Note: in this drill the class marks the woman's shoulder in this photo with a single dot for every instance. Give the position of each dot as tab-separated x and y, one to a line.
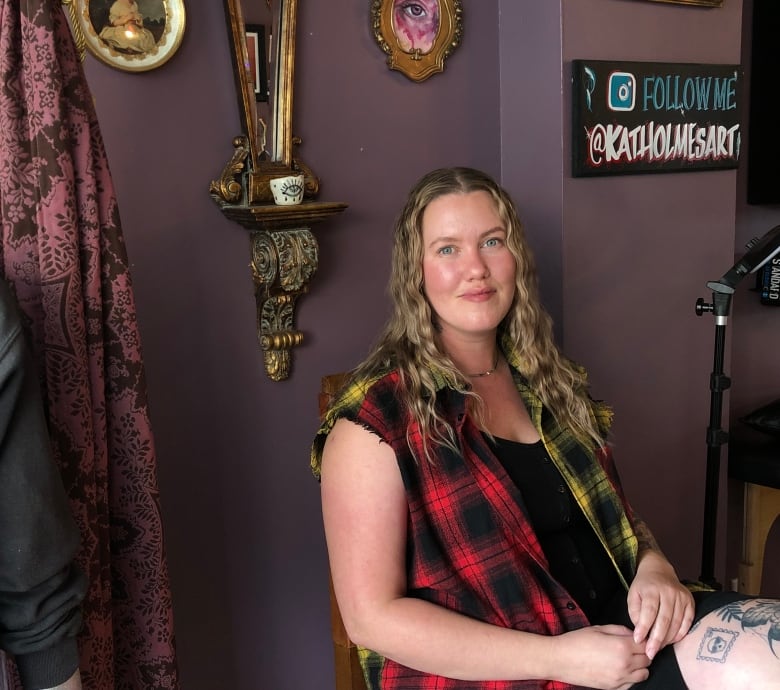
372	395
369	400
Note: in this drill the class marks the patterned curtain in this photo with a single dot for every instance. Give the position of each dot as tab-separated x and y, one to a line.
64	256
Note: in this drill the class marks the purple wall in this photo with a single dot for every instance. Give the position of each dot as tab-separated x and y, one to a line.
241	510
531	133
638	251
623	259
242	517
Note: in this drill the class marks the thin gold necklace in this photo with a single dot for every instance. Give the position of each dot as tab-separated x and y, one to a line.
485	373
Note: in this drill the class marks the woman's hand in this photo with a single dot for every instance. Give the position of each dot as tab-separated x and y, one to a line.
602	656
659	605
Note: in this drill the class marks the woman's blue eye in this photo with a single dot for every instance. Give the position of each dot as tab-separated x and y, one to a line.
446	250
492	242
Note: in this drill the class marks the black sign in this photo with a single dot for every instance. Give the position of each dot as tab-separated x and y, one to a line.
638	117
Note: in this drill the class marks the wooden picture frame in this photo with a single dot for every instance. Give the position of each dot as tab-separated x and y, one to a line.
417	35
700	3
130	35
256	68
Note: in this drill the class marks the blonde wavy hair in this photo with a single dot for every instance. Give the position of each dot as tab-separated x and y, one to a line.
409	341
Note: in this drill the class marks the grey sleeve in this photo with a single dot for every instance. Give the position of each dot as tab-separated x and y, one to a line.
41	589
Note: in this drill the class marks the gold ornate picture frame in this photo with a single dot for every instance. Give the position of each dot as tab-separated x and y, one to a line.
131	35
701	3
417	35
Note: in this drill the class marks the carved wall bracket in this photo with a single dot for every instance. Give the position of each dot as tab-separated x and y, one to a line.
284	253
282	264
284	258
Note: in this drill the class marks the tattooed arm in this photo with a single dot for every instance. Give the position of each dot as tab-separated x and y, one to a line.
659	605
644	537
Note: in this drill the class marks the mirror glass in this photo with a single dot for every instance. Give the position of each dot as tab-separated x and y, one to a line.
262	21
284	250
263	42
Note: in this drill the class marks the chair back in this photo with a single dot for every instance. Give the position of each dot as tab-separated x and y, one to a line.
349	673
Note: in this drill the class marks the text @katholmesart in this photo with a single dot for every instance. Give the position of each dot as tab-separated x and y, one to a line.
634	117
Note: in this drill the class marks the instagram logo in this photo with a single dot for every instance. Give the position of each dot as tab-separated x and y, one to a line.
621	93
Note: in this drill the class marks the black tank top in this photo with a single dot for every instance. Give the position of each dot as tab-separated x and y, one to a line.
575	555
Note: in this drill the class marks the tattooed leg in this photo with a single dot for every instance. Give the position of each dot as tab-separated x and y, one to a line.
735	646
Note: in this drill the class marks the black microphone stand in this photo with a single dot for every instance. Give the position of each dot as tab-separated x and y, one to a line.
759	252
716	436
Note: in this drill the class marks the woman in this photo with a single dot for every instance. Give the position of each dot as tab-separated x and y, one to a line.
477	531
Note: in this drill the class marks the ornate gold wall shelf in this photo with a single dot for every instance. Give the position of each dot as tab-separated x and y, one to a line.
283	249
271	217
284	257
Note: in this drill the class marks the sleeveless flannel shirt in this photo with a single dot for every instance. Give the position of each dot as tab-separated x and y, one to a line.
470	546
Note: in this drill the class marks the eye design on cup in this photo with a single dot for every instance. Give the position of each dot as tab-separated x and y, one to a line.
292	188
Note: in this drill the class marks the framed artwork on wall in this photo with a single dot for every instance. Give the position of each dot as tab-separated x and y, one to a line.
131	35
702	3
256	70
417	35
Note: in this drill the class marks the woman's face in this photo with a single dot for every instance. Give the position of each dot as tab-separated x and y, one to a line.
468	270
416	23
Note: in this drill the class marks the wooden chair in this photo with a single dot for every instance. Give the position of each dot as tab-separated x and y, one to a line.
349	674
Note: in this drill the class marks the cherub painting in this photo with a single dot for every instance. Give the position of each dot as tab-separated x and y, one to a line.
132	35
125	27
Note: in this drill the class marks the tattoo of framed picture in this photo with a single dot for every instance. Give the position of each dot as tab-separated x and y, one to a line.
256	67
131	35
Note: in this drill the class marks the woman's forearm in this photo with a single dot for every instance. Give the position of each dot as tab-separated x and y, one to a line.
434	640
430	638
647	541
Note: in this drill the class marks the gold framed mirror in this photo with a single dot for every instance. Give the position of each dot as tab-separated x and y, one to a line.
417	35
283	249
268	148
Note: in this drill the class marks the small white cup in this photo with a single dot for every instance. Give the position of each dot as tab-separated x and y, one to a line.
287	191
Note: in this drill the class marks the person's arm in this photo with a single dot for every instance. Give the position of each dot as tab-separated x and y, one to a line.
365	518
659	605
41	588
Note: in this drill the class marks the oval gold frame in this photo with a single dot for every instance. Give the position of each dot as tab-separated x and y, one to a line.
418	66
86	34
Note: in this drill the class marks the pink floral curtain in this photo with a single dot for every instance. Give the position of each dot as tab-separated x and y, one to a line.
63	254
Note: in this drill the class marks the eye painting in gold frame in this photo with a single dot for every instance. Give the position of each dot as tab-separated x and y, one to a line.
700	3
417	35
131	35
